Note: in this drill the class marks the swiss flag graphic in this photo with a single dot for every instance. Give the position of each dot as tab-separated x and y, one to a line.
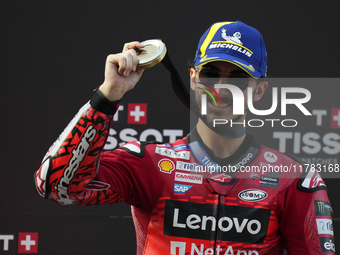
335	118
137	113
28	242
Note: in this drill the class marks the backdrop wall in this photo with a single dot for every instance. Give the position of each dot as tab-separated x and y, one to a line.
53	55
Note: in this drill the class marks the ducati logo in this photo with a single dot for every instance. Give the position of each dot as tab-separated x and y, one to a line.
253	176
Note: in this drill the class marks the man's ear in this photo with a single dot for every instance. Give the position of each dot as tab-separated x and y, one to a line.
193	79
260	89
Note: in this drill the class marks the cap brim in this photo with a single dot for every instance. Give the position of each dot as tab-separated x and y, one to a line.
248	68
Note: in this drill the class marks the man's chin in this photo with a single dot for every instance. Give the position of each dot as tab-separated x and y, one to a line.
218	120
225	128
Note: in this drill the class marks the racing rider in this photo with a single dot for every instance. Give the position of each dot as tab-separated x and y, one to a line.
178	206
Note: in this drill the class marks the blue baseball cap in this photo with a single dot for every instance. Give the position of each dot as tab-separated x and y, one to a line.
236	43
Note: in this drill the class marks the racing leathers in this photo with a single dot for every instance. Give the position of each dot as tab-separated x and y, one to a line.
185	200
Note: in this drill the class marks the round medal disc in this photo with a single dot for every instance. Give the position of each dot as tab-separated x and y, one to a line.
153	53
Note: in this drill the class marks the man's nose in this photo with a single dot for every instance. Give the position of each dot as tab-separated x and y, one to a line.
223	91
223	80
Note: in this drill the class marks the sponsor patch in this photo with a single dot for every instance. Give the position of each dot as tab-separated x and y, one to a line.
246	160
323	208
181	147
165	145
325	226
232	42
327	244
181	188
269	180
192	178
270	157
195	220
235	38
186	166
253	176
252	195
172	154
193	248
222	178
166	166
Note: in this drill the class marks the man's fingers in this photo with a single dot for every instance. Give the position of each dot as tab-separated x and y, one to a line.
125	62
121	65
132	45
130	62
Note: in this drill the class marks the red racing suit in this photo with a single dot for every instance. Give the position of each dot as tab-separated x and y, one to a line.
186	201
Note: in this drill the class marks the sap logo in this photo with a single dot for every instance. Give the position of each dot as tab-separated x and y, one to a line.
270	157
252	195
181	188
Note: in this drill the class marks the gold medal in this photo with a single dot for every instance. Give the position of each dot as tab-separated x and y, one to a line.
153	53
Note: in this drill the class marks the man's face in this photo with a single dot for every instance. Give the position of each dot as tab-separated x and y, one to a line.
224	111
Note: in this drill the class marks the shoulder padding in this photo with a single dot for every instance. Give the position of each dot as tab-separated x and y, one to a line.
136	148
310	180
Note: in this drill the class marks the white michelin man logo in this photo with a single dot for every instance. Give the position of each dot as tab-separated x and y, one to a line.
235	38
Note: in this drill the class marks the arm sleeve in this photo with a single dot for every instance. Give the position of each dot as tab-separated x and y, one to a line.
133	176
306	219
67	172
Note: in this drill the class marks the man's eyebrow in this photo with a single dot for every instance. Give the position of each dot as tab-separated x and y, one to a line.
238	71
232	72
211	66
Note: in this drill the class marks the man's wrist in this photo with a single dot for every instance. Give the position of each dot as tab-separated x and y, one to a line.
100	103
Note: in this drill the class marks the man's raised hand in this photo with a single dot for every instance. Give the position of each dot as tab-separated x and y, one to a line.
121	72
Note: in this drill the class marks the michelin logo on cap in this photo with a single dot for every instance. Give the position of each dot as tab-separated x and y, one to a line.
232	42
236	43
234	38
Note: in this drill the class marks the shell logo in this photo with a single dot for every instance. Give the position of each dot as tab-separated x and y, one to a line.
166	166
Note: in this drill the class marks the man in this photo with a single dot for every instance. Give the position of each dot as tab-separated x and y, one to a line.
178	206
